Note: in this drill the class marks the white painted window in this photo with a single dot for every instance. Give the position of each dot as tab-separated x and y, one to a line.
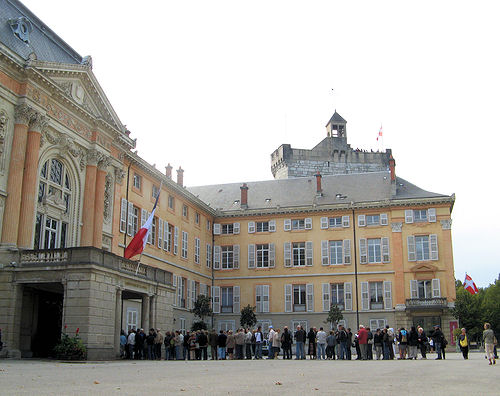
197	250
132	318
377	324
184	252
227	299
209	255
215	294
226	325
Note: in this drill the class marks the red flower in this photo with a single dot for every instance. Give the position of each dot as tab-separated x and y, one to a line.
65	327
77	330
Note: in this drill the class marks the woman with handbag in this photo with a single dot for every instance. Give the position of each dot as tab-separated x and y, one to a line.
464	344
490	341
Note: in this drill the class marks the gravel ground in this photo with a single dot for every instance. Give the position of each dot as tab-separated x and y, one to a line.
453	376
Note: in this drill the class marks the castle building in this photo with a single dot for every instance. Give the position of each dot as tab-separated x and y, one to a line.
336	226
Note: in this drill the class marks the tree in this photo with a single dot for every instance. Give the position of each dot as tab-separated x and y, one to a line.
248	318
334	315
490	306
202	307
468	310
200	325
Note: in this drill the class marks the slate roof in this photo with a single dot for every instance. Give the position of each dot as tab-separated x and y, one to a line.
336	119
300	192
43	42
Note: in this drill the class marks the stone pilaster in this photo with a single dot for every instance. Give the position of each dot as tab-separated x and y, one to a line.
10	226
87	238
99	201
29	185
118	320
145	313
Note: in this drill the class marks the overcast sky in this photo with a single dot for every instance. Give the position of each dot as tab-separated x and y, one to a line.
217	86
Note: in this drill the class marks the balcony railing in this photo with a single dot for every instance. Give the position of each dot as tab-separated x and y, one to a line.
93	256
426	303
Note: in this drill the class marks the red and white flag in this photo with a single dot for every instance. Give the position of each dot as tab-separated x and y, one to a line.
469	285
379	133
138	243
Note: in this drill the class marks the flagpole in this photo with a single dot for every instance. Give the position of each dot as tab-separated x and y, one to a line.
138	264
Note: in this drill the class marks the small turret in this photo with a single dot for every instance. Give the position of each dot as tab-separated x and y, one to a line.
336	127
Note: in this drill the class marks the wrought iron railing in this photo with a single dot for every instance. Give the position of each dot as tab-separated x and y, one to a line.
426	302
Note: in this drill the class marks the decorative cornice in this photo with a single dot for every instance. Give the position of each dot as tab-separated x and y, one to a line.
93	157
119	175
38	122
23	114
397	227
104	162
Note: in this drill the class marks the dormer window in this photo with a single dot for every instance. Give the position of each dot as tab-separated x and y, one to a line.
21	27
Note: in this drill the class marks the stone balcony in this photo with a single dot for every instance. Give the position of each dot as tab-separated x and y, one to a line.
426	303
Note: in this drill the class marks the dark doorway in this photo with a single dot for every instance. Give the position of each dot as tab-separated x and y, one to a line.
42	319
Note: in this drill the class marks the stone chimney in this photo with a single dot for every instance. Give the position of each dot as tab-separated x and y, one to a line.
180	176
244	196
168	171
319	190
392	167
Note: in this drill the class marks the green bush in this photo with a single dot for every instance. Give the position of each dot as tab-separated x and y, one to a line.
70	347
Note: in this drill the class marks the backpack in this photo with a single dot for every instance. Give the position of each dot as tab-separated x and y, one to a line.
404	336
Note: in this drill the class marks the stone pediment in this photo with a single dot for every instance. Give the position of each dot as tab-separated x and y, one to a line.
78	83
423	268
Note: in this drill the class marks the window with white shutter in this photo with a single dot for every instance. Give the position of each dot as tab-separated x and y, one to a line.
363	258
326	296
160	233
272	225
434	246
287	248
288	298
431	214
412	254
308	223
347	251
387	295
209	256
287	224
413	288
436	288
272	255
144	215
236	228
176	240
386	257
361	220
236	257
251	227
174	284
184	246
365	297
217	229
167	236
384	219
216	257
123	216
197	250
251	256
409	216
324	253
258	298
188	293
324	223
310	297
215	292
265	298
236	299
309	253
348	296
345	221
131	217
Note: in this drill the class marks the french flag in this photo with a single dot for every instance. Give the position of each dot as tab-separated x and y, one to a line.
138	243
470	286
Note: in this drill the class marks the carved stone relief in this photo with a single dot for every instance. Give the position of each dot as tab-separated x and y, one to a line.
3	133
446	224
119	175
397	227
108	196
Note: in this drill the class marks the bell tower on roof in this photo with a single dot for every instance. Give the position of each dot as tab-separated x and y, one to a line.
336	127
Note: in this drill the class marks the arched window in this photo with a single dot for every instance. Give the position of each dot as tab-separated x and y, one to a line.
55	198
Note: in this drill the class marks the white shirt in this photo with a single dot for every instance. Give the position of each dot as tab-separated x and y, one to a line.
258	337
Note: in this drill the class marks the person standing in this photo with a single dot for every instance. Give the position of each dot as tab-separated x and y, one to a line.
489	340
230	344
331	341
179	343
403	343
300	339
276	343
349	343
259	339
248	344
131	344
286	343
212	341
239	340
221	345
321	344
203	344
412	343
311	337
150	341
422	342
343	341
270	337
123	344
158	343
363	342
186	350
369	348
437	337
378	340
464	344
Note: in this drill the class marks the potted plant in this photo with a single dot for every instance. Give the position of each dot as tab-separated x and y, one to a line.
70	347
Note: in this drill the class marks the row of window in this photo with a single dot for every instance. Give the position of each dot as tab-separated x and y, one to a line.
411	216
299	254
300	297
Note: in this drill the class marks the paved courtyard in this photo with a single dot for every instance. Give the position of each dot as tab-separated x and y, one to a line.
452	376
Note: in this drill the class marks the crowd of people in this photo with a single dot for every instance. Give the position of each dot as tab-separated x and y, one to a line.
380	344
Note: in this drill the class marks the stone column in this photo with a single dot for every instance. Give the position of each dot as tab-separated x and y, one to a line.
145	313
13	336
10	225
99	202
152	311
29	185
89	199
118	320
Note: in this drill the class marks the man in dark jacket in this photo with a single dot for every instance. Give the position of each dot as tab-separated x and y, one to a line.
300	339
286	343
150	342
412	343
212	341
139	344
203	342
343	340
378	340
221	345
437	337
349	343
